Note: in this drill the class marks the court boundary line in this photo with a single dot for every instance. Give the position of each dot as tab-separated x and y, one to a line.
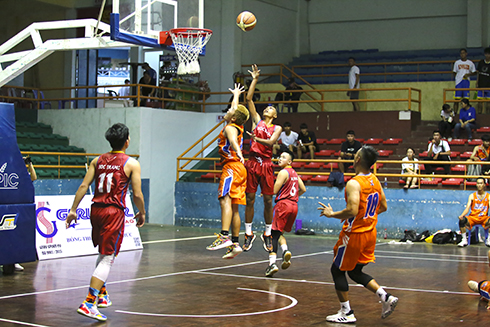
21	323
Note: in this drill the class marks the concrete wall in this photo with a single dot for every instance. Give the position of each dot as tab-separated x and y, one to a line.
197	205
158	136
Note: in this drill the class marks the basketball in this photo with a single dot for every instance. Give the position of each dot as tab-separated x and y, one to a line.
246	21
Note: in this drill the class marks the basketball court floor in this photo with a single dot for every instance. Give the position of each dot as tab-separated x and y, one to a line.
175	281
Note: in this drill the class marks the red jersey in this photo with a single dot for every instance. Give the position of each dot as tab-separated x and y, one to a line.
264	132
111	180
289	190
367	216
226	151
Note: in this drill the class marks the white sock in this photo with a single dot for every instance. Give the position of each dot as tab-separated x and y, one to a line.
465	237
248	228
284	247
345	307
268	229
381	293
272	259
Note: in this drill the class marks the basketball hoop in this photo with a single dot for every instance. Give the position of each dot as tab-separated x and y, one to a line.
188	43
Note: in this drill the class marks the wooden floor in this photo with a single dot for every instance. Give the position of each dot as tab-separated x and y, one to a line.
175	281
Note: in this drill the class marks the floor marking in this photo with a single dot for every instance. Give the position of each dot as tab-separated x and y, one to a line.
331	283
21	323
428	259
293	303
179	239
433	254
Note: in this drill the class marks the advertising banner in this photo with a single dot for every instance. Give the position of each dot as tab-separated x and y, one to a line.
53	240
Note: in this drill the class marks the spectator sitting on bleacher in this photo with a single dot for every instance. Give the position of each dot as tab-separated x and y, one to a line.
410	169
480	153
438	150
467	119
307	142
293	96
348	150
447	123
288	140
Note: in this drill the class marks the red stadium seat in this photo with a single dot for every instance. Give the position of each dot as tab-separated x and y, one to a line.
337	153
305	178
475	142
453	181
466	155
457	142
360	140
423	154
336	141
470	183
297	165
331	165
324	153
402	182
211	176
378	166
455	154
320	178
314	165
347	178
440	169
392	141
385	153
373	141
434	181
484	129
321	141
458	168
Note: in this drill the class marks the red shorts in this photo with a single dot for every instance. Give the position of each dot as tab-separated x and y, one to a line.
354	248
285	212
260	171
107	228
233	182
477	220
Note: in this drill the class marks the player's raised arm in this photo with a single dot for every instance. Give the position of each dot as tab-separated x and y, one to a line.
231	134
268	142
353	191
250	94
138	199
82	190
236	95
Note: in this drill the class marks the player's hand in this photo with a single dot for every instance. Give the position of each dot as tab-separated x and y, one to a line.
436	156
240	156
348	93
72	216
326	210
254	138
238	89
255	72
140	219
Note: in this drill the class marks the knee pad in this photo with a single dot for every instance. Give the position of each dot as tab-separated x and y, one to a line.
463	222
275	240
358	276
103	268
339	279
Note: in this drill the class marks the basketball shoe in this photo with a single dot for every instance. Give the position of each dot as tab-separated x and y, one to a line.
473	286
343	318
271	270
286	259
267	242
388	305
249	240
90	310
233	251
220	242
104	301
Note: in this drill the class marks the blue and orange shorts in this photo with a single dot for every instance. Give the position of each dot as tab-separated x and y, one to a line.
233	182
354	248
484	288
285	212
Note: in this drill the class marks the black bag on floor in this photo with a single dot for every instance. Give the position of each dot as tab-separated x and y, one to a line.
422	236
410	235
444	238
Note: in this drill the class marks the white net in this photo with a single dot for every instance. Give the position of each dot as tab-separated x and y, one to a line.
188	45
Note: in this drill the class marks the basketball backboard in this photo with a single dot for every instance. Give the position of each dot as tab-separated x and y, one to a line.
141	21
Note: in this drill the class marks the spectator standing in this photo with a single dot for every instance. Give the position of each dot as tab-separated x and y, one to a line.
307	142
146	91
483	80
151	72
410	168
354	77
467	119
348	150
438	150
125	91
288	140
462	70
447	123
293	96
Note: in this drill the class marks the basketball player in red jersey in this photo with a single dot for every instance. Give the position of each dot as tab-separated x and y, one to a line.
288	188
355	248
233	180
112	173
259	166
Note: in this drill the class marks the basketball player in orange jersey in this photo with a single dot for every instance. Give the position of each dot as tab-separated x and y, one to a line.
233	181
288	188
260	170
482	287
477	206
112	173
355	248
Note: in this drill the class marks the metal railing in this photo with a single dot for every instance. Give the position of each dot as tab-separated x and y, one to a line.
452	100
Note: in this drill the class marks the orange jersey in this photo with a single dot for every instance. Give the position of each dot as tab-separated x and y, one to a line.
367	216
482	153
226	151
479	208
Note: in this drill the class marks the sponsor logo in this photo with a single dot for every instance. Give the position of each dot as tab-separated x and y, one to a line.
8	181
9	221
51	230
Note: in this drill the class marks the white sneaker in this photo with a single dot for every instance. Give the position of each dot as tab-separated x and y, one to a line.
487	242
18	267
343	318
233	251
389	306
463	243
473	286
